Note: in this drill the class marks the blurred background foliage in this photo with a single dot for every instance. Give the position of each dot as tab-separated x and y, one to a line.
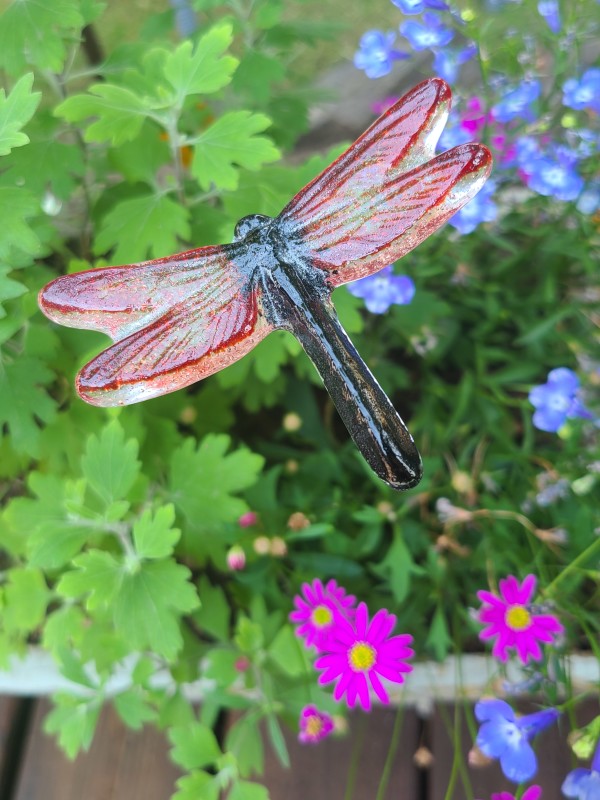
116	524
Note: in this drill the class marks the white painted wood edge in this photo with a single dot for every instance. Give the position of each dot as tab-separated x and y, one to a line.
469	677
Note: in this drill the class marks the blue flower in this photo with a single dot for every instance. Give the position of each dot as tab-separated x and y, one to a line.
517	102
555	401
583	93
417	6
588	201
480	209
453	134
505	737
550	11
185	18
446	63
383	289
555	175
431	34
584	784
376	54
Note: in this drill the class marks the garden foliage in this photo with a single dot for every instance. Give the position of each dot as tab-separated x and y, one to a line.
117	524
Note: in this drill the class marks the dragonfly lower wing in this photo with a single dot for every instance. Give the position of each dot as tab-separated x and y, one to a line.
177	350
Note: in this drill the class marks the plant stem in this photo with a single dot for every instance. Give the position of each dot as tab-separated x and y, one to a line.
575	564
387	767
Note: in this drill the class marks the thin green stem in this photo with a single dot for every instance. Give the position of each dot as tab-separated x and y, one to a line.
389	760
573	565
351	782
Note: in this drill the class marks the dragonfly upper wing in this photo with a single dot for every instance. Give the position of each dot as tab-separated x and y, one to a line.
386	193
175	320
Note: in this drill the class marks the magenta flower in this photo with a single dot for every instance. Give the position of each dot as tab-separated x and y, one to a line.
314	725
315	612
533	793
359	653
513	621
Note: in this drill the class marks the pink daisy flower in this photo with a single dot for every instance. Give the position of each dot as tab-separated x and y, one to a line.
314	725
513	621
533	793
360	653
315	611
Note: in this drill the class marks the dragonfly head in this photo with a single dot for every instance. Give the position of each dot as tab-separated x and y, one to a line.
247	224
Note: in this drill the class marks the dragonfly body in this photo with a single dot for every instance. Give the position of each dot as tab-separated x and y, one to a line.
178	319
296	297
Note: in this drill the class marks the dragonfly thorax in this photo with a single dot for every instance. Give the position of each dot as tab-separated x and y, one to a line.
249	223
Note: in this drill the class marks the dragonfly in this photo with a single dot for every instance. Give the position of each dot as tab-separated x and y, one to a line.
179	319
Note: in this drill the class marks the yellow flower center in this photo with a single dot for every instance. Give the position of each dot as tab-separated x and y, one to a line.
518	618
322	616
361	657
314	725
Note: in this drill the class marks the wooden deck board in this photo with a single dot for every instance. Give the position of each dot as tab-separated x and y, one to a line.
321	772
120	765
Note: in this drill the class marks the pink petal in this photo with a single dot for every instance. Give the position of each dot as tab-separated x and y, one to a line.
363	691
392	672
548	623
378	688
381	626
352	693
361	621
527	590
509	589
488	597
309	593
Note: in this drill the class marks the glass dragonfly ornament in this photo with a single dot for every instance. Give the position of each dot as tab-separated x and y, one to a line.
178	319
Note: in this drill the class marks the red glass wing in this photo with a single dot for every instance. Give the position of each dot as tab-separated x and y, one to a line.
367	208
175	320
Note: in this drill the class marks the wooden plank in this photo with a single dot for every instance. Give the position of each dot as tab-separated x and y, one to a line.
120	765
14	712
323	771
554	757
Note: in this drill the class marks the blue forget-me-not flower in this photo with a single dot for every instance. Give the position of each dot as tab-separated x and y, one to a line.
506	737
383	289
556	400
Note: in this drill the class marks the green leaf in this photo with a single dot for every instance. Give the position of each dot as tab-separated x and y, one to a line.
47	164
73	720
110	463
25	599
97	576
120	113
15	111
153	535
36	32
197	786
17	206
133	708
151	225
438	639
214	614
287	653
148	606
245	790
231	143
202	69
9	289
53	535
203	480
397	567
256	74
23	402
194	746
277	740
244	740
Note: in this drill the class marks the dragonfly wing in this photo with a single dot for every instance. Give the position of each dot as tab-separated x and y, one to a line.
404	211
182	347
120	300
386	193
174	320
